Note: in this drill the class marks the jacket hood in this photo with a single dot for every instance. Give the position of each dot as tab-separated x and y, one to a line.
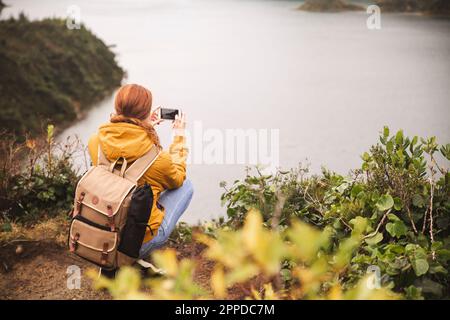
123	140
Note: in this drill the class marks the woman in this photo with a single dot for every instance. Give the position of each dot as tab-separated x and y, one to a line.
130	134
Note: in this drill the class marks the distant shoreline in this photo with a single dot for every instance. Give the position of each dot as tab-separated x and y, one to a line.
329	6
438	10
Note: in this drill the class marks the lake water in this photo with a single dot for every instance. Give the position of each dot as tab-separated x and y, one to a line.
324	80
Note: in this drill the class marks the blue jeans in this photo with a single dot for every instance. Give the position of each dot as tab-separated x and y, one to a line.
175	202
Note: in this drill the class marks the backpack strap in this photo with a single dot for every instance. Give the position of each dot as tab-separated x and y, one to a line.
101	159
141	165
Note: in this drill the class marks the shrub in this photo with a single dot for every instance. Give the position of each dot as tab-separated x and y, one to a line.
37	177
240	255
400	190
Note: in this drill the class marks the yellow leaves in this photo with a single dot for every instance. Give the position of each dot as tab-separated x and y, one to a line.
267	294
167	260
365	291
252	230
306	241
241	274
218	283
254	250
311	278
345	251
360	225
178	283
50	133
126	285
31	144
226	249
265	246
335	293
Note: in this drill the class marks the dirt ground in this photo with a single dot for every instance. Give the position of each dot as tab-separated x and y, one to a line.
38	270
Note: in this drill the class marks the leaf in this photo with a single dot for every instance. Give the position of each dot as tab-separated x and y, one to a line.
345	252
413	293
420	266
359	225
385	131
307	240
398	204
385	202
252	230
429	286
443	254
50	132
418	201
356	190
218	283
396	229
399	137
31	144
392	217
167	260
365	156
438	269
375	239
286	274
6	227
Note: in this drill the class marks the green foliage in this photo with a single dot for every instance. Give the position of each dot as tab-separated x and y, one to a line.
50	74
252	250
182	233
38	178
398	199
438	7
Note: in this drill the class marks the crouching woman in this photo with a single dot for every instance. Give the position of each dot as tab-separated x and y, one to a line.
130	134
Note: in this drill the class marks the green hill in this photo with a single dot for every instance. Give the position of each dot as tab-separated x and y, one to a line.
434	7
328	6
49	73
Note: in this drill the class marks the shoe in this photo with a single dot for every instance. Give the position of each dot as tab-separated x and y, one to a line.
110	274
147	266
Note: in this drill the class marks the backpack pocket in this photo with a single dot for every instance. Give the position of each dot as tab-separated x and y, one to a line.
137	221
94	243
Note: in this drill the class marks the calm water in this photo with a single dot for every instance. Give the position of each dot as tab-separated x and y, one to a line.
326	81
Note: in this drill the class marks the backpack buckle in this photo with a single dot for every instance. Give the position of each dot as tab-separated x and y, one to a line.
74	242
77	208
104	258
112	224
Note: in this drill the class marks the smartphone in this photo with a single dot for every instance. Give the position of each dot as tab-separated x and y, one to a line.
169	114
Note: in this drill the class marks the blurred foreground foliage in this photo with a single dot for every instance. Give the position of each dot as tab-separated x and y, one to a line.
382	232
254	250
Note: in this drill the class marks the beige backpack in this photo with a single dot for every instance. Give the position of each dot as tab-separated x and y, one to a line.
111	211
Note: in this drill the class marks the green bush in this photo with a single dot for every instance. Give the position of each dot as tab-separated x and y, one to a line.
38	178
400	190
50	74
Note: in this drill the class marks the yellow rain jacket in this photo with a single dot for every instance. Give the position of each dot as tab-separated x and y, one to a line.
131	142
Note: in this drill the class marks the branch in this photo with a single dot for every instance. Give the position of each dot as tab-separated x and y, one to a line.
370	235
431	214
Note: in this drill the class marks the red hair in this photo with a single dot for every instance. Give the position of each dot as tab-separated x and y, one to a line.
133	105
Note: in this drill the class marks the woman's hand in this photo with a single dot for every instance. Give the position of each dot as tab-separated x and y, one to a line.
179	124
155	117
